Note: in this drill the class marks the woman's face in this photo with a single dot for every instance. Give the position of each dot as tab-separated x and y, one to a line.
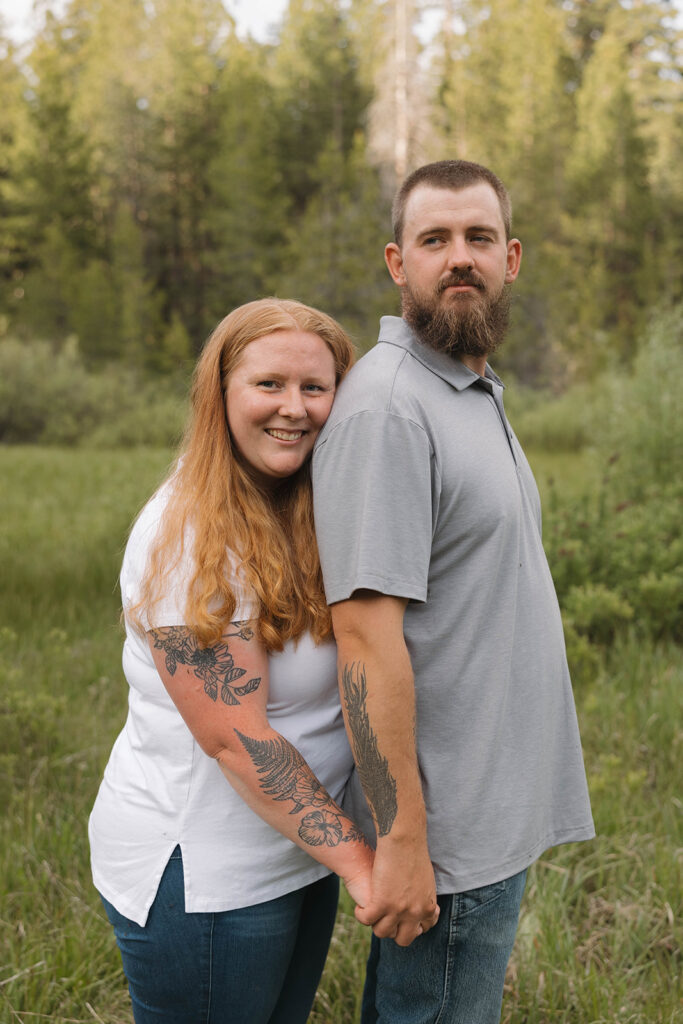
277	399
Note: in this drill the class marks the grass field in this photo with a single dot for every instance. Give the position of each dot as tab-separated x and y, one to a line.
600	935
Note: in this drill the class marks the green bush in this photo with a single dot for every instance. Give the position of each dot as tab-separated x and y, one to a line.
616	552
596	611
553	423
585	659
49	396
641	424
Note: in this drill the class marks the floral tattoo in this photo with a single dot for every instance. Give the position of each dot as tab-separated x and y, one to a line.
214	665
286	776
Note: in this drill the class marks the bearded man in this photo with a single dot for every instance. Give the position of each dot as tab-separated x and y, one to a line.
452	667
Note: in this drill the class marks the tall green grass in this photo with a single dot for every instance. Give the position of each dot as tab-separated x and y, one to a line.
65	516
600	935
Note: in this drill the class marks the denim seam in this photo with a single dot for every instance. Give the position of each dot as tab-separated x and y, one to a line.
493	896
207	1017
448	970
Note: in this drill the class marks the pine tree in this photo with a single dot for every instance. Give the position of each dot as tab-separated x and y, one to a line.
501	102
612	197
334	257
320	94
13	253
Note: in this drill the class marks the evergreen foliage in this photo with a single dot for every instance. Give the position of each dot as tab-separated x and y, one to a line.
156	169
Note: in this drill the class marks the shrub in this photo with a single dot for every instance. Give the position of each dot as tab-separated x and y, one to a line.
48	396
641	421
553	423
616	553
596	611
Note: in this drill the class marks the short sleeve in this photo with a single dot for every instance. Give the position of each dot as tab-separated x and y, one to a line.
372	481
170	609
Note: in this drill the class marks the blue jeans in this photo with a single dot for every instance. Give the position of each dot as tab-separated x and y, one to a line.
454	973
258	965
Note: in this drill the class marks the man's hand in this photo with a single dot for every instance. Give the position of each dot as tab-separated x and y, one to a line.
403	894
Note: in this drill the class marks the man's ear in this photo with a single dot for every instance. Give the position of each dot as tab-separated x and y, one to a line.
394	261
514	260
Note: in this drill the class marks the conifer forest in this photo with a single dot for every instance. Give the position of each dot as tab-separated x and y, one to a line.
158	169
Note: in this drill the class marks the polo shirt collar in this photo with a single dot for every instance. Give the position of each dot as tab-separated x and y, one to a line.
395	331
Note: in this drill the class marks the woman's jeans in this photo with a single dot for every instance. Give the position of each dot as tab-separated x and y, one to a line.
454	973
258	965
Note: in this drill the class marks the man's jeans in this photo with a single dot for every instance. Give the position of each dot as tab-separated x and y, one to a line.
259	965
454	973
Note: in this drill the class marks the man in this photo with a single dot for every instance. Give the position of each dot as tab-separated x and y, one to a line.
452	667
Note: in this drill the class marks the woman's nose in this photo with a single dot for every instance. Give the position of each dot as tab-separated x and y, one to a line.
292	404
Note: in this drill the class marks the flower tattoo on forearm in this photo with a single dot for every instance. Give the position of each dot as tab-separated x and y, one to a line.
284	775
214	665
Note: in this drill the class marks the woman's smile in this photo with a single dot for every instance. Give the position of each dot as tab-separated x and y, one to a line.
277	398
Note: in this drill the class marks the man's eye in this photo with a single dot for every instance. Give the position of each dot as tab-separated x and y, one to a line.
432	240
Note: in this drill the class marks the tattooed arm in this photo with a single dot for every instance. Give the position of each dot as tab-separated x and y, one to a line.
221	691
378	699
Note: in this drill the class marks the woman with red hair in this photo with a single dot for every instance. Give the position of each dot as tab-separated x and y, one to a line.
217	836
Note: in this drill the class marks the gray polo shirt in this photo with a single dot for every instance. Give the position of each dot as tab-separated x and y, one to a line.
423	492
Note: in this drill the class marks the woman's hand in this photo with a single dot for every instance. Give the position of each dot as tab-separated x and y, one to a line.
358	883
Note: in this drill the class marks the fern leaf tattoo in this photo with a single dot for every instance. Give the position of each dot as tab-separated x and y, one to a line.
279	764
378	783
286	776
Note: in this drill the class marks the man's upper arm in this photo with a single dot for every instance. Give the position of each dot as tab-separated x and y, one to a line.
367	616
373	506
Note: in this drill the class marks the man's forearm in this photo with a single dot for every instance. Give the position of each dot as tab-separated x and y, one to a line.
382	736
378	699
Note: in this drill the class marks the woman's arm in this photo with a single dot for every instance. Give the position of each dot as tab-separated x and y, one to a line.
221	692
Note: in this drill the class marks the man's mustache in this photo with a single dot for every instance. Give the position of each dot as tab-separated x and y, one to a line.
468	277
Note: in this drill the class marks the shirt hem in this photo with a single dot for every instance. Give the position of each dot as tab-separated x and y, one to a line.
367	581
448	884
203	904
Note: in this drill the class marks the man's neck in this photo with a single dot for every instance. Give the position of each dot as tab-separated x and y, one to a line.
475	363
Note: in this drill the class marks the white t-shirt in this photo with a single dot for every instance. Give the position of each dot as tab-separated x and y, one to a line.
161	790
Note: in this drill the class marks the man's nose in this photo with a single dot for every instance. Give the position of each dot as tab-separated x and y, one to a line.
292	404
460	255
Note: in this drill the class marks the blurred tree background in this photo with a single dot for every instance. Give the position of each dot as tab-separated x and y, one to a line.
157	169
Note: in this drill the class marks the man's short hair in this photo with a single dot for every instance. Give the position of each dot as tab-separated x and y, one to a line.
449	174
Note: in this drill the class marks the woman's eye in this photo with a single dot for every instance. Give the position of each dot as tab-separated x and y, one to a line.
268	384
313	387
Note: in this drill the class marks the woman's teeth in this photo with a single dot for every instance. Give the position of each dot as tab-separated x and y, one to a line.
285	435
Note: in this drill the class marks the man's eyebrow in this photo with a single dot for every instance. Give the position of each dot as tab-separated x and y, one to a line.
433	231
488	229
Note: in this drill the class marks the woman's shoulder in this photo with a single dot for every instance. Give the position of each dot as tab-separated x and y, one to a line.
145	528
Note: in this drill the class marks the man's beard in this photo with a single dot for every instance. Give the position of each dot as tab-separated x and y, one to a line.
467	326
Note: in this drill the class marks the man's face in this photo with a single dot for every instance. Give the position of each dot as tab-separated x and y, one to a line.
452	268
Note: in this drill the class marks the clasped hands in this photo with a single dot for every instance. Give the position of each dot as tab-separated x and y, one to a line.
398	899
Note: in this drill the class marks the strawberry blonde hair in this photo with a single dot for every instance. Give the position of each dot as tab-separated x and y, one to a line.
217	509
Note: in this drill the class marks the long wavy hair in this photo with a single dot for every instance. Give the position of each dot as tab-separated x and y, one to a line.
216	508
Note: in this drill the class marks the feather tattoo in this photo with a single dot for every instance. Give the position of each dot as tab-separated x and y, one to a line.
378	783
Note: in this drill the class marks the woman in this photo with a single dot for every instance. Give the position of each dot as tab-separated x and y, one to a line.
216	827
